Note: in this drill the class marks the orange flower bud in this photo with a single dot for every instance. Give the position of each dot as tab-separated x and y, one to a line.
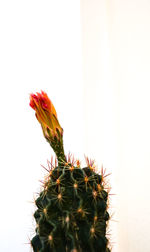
46	114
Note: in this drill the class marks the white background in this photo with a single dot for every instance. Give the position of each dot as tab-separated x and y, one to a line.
116	53
92	57
40	48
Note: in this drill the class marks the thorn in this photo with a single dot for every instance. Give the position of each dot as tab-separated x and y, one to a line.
78	163
75	185
86	179
45	168
71	168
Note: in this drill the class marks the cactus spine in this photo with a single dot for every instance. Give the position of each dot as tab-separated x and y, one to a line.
71	210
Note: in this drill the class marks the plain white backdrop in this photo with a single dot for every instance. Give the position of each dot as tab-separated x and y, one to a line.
92	57
116	68
40	48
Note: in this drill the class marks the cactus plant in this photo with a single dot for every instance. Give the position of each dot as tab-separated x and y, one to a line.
72	206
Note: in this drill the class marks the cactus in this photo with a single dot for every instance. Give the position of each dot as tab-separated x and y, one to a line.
72	207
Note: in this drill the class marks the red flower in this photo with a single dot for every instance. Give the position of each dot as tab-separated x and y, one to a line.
45	114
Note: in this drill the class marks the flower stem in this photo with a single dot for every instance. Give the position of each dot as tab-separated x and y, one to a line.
57	146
